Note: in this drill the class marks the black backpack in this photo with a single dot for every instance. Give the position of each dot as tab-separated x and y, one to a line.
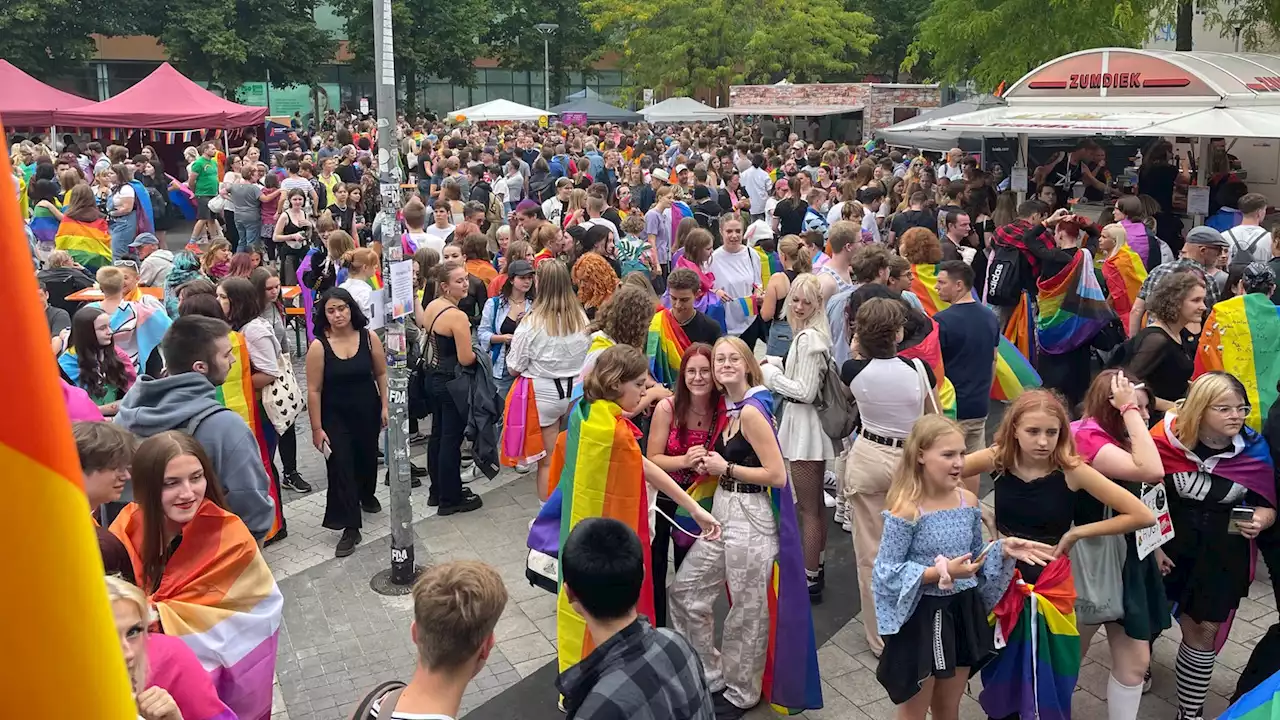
1008	274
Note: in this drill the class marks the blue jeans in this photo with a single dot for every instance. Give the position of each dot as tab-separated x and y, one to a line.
250	234
123	230
504	386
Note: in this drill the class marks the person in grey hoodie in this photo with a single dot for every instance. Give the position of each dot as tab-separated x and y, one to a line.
198	358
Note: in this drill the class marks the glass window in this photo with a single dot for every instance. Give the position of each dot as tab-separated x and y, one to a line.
439	98
535	77
497	77
480	94
520	94
461	97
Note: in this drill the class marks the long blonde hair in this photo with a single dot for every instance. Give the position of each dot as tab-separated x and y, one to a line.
120	590
555	307
807	287
755	376
1115	232
907	486
1206	390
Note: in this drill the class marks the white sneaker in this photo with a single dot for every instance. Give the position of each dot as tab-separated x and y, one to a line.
525	468
828	499
842	515
829	481
847	527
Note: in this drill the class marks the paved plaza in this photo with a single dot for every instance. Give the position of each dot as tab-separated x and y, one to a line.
339	638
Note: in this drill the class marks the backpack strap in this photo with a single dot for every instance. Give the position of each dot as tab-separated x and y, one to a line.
389	691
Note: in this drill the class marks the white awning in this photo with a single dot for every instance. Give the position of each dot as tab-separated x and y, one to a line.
1221	122
790	110
682	109
1054	121
499	111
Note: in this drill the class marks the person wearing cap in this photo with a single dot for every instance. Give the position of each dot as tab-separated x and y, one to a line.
498	321
156	261
1200	254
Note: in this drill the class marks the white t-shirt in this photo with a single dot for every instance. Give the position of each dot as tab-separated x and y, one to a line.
738	275
833	215
263	346
442	233
1241	237
361	293
126	191
769	207
869	223
590	223
427	240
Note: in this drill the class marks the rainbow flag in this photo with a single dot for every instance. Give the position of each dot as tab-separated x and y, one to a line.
1021	329
217	595
769	264
598	470
66	629
924	283
1260	703
88	243
1072	308
1241	337
1035	673
1123	274
236	394
521	441
138	328
929	350
375	282
748	306
43	225
791	682
665	347
1014	373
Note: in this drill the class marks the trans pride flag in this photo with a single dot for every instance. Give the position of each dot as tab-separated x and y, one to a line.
218	596
791	683
597	469
66	630
88	243
521	441
1241	337
665	348
138	328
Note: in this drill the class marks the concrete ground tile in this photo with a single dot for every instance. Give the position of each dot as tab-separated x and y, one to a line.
513	624
1242	632
852	638
835	662
1234	656
529	667
834	707
524	648
970	709
542	606
1224	681
547	626
1251	610
859	687
1086	705
1093	679
1214	705
1260	588
1156	708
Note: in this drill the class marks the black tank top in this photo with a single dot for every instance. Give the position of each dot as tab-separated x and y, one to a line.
782	301
348	383
737	450
446	349
1040	510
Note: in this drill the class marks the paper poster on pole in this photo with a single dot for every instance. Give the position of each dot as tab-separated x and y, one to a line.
1197	200
401	288
1018	179
379	318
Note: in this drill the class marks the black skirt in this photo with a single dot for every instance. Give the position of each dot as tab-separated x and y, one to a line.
1211	567
944	633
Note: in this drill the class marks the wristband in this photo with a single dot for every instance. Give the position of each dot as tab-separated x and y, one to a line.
944	575
1127	407
728	471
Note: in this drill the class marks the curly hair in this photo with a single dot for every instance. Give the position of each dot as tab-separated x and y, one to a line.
595	279
1165	301
625	317
920	246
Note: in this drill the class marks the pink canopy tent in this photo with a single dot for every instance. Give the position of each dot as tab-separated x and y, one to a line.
27	102
164	100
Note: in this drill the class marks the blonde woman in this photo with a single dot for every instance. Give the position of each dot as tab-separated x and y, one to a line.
575	213
805	446
168	680
1122	269
549	348
774	306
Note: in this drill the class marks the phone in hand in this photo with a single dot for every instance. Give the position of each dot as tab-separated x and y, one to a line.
982	554
1239	515
325	450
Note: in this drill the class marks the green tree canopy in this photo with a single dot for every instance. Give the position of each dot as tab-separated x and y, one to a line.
431	37
680	45
573	47
990	41
52	37
896	22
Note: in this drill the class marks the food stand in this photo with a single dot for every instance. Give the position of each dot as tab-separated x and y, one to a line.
1188	97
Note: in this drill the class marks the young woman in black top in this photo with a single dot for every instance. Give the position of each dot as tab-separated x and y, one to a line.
1161	354
790	210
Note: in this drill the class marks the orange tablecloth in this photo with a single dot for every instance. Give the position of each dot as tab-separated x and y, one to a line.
93	294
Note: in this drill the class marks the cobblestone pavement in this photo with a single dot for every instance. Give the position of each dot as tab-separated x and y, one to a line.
339	638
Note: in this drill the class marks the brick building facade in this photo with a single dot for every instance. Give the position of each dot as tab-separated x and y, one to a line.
883	104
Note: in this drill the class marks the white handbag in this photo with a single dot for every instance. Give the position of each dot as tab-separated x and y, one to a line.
283	400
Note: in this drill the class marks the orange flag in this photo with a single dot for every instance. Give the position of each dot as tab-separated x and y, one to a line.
58	632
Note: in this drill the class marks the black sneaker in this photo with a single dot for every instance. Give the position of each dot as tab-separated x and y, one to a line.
416	471
433	500
347	544
371	505
724	709
413	480
470	501
293	481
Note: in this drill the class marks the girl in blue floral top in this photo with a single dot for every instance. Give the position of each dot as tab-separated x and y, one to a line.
934	582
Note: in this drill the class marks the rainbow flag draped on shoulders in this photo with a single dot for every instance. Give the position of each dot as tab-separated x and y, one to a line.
929	350
521	441
1242	337
791	681
1034	675
1123	274
665	347
1072	308
1251	467
236	394
218	596
679	211
65	629
1014	372
598	471
88	243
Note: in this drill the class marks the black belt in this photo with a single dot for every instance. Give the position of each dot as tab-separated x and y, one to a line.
882	440
732	486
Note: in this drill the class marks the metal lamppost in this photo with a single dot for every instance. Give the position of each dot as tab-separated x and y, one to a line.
546	29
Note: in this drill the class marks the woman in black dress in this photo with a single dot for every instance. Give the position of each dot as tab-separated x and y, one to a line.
1158	177
1222	491
1162	356
347	402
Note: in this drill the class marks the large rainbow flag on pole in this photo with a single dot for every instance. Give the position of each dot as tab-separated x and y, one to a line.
88	243
1242	337
66	628
598	470
218	596
665	347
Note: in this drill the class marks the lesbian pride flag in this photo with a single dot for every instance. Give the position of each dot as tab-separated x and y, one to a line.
217	596
65	629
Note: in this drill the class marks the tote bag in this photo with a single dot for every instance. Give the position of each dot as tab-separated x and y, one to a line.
283	399
1098	564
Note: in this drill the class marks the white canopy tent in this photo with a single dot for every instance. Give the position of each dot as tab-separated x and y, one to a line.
682	109
499	111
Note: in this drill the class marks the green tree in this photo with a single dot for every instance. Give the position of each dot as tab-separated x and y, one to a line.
990	41
572	48
896	22
432	38
1258	21
229	42
52	37
680	46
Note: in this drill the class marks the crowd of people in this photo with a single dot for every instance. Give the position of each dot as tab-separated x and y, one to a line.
697	340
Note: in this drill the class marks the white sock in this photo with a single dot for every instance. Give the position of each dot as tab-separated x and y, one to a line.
1122	700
